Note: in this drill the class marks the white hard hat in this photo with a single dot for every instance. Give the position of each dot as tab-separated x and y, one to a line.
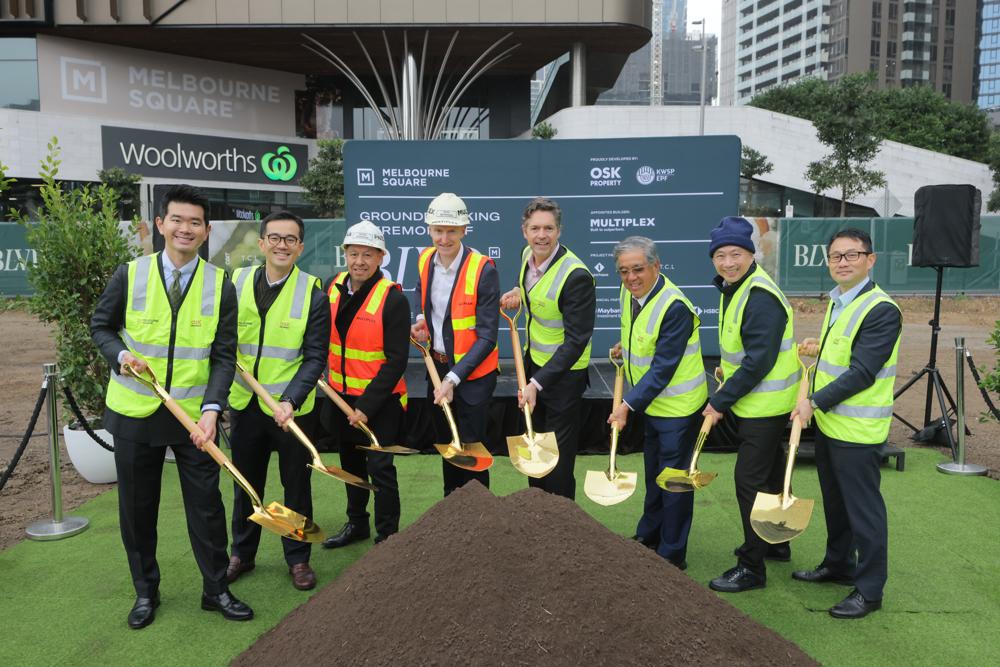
447	209
365	233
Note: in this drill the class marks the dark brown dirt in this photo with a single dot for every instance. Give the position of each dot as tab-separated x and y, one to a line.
529	579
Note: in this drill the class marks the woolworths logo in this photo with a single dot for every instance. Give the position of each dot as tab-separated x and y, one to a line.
280	166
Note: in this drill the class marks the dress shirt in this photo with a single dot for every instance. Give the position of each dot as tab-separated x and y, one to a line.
534	273
842	300
441	289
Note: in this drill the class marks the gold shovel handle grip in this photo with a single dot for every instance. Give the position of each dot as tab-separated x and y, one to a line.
515	341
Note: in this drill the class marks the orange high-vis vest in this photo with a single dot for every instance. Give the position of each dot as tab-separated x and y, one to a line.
354	363
463	307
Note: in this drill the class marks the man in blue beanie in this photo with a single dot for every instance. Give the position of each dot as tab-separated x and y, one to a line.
762	374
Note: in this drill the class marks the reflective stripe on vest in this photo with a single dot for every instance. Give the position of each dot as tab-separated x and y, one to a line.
464	299
776	392
545	323
687	390
273	355
865	417
182	367
355	362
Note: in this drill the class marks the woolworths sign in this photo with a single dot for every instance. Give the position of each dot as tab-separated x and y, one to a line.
202	157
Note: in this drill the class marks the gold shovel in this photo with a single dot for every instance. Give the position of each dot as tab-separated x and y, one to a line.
610	487
276	518
779	517
317	463
692	479
346	409
533	454
471	455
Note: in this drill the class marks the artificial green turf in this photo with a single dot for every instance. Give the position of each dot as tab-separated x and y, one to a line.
65	602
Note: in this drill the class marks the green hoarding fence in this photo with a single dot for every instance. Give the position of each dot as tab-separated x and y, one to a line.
802	269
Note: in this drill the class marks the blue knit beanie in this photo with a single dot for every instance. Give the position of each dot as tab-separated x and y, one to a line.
732	231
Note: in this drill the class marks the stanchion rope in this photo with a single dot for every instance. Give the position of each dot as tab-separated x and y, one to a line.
83	420
27	436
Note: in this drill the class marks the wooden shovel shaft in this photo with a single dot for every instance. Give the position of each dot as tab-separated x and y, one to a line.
616	402
793	440
522	381
272	404
436	383
346	409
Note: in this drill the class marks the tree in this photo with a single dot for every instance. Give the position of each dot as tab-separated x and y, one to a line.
543	130
125	185
850	127
993	204
753	163
323	184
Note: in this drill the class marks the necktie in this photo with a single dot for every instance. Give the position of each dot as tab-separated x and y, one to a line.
635	309
175	289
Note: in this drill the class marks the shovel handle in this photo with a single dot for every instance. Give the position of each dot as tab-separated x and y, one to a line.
797	425
346	409
515	341
436	382
272	405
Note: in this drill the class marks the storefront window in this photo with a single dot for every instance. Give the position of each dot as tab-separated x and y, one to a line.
18	74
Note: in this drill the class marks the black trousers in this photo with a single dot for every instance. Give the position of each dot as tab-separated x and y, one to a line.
857	527
760	466
378	468
254	436
140	468
559	409
472	420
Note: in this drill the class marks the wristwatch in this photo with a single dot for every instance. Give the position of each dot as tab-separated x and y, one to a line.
813	404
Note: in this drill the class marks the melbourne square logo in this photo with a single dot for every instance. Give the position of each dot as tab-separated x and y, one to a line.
196	156
83	80
366	176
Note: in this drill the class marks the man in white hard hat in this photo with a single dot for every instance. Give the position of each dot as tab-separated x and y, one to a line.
367	359
459	301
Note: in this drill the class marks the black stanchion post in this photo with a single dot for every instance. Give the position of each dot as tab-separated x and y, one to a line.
959	466
59	526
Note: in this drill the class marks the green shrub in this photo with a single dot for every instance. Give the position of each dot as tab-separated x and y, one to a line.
79	242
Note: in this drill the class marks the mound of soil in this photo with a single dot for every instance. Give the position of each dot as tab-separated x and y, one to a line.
529	579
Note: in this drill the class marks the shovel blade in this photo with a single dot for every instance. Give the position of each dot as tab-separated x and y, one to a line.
606	490
535	457
675	480
472	456
776	518
389	449
285	522
342	475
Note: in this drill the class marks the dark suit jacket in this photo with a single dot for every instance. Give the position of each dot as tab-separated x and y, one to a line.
871	349
162	428
487	325
578	305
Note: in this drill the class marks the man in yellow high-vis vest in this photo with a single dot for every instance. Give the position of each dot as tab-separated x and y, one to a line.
459	292
176	314
761	379
283	332
661	348
851	402
559	295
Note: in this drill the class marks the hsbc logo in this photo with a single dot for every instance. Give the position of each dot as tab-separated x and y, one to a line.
83	80
602	177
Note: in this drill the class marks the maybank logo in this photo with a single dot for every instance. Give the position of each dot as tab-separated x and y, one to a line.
280	166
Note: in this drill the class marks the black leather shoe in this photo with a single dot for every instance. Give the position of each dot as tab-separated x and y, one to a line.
777	552
823	574
226	603
649	543
349	533
737	580
854	606
379	539
238	567
680	565
143	611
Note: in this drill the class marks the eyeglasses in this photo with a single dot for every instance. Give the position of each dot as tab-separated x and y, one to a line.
625	272
851	256
274	239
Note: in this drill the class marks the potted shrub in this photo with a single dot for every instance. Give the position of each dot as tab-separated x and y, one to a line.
79	242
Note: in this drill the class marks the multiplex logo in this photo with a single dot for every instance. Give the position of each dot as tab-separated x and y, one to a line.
602	177
83	80
366	176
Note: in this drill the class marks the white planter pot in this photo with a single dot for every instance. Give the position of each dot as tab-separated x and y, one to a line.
94	463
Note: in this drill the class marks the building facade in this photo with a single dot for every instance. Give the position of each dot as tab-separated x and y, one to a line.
988	59
904	42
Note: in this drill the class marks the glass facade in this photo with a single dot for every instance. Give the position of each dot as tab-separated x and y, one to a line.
18	74
988	93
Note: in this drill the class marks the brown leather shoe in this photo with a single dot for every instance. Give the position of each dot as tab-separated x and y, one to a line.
237	568
303	577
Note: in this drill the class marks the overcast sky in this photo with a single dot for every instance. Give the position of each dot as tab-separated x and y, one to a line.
711	10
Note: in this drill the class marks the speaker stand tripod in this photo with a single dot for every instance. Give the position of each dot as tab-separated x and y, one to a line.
935	383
